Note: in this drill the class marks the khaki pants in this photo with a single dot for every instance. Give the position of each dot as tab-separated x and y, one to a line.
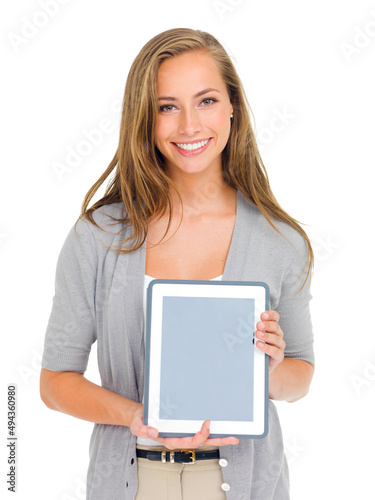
199	481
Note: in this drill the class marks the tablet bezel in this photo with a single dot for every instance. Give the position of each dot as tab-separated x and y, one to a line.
157	289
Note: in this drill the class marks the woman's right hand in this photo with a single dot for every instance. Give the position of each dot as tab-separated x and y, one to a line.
191	442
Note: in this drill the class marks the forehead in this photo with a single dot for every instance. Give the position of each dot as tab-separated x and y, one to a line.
191	71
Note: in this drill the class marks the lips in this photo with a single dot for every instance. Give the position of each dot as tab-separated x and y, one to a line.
192	148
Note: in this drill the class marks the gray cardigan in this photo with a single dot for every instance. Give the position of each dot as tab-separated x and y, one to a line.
99	297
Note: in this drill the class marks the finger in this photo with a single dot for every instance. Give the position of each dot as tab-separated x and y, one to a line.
189	442
167	443
174	443
202	436
222	441
151	432
270	326
143	431
178	443
270	315
271	338
272	351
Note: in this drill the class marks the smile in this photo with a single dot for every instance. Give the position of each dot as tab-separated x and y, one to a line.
190	149
191	146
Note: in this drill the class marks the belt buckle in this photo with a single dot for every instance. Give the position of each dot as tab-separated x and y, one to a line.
192	458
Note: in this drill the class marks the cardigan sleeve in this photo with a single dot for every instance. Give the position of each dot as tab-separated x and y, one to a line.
71	329
294	310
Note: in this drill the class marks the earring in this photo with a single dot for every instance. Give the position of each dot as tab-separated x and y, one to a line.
231	116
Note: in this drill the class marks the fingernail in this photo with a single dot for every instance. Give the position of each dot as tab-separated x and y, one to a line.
265	316
152	433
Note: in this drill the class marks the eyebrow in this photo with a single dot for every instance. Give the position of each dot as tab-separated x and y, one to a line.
202	92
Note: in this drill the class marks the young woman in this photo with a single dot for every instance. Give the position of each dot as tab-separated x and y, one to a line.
189	198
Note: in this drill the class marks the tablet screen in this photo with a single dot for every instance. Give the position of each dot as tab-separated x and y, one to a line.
204	374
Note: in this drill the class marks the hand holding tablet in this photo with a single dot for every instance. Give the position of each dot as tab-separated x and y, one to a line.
272	338
201	438
201	361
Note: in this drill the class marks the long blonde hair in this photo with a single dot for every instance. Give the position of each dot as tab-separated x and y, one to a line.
140	180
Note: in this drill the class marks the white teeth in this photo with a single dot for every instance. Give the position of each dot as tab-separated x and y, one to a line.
192	147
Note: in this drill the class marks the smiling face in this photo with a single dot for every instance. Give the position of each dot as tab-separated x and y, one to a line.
194	114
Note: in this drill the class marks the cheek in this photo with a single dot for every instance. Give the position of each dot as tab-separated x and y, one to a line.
222	125
165	128
160	134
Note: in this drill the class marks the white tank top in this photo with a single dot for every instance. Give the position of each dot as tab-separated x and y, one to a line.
148	279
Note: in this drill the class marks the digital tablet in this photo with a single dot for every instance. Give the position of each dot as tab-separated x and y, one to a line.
201	359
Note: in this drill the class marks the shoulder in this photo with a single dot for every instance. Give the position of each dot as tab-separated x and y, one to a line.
108	218
276	236
107	230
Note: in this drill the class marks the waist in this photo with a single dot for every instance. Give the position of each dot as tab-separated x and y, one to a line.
183	456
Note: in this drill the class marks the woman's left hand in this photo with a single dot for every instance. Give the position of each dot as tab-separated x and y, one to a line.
269	331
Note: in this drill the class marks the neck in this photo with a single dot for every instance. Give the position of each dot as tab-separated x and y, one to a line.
200	195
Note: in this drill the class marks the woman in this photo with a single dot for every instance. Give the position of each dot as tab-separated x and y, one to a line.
189	199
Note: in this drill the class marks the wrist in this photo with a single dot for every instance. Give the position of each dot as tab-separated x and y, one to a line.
132	410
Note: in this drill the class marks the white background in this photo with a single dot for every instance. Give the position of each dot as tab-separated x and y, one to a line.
313	63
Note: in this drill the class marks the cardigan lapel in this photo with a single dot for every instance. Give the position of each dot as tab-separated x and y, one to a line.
134	312
240	243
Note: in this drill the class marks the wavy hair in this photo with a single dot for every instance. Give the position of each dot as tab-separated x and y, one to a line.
140	179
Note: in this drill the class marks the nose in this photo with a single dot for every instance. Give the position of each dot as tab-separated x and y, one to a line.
189	122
